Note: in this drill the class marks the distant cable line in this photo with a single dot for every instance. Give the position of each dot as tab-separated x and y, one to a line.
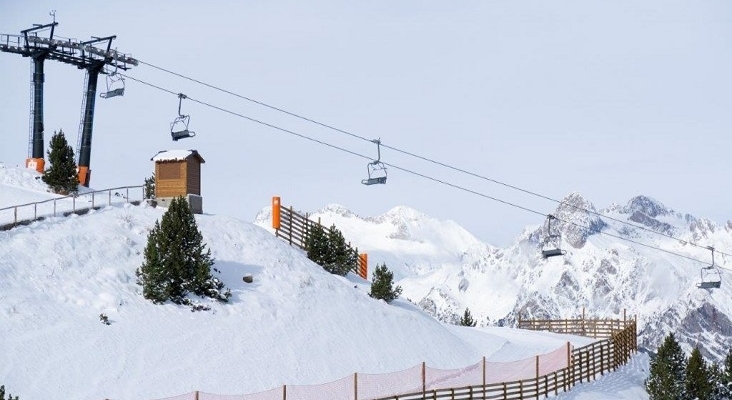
443	182
423	158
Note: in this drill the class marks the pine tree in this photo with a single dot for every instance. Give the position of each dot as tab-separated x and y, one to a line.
467	319
725	377
61	174
149	187
666	375
317	244
330	250
382	286
2	394
176	260
340	258
697	383
719	390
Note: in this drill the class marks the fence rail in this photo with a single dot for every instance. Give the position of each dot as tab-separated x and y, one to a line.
586	363
82	203
566	368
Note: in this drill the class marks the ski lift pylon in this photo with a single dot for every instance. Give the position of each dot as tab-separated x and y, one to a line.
179	126
711	278
550	246
376	169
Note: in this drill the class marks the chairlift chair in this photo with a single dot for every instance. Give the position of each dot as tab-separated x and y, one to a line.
711	278
179	126
115	86
376	169
550	247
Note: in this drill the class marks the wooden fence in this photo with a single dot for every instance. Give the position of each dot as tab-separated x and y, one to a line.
295	229
618	345
590	327
82	203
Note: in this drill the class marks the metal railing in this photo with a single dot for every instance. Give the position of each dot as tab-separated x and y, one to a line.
80	203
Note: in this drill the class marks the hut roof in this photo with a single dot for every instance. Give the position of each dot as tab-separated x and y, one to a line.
177	155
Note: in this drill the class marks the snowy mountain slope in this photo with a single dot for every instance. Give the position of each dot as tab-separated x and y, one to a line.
295	324
444	269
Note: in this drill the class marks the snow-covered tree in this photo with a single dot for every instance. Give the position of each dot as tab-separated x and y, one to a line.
720	391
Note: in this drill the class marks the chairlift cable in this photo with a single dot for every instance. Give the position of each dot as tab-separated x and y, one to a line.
436	180
423	158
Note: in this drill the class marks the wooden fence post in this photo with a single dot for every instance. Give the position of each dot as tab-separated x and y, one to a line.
424	380
195	395
483	377
284	392
602	360
583	321
581	365
537	377
355	386
289	223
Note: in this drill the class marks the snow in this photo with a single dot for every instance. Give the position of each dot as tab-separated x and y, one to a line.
174	155
295	324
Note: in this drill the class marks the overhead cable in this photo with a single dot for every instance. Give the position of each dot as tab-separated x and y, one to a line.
423	158
412	172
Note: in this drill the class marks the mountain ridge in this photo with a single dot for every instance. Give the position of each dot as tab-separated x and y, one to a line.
607	269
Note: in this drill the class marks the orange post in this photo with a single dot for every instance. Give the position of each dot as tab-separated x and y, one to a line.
83	176
363	265
37	164
275	212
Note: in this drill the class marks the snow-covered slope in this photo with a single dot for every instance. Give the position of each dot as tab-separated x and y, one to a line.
444	269
295	324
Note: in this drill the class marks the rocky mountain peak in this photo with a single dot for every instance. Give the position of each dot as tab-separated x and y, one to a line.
646	205
577	219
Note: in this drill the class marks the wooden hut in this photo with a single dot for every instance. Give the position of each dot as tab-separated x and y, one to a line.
178	173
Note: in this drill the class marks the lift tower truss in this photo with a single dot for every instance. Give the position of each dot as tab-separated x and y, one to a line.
93	56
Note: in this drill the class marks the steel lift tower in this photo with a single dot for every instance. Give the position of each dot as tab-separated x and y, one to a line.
84	55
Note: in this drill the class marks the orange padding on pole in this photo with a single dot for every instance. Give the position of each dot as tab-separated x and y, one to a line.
37	164
363	265
275	212
84	176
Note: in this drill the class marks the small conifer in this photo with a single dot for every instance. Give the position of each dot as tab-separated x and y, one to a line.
330	250
382	286
317	244
697	383
61	173
2	394
176	260
467	319
149	187
666	374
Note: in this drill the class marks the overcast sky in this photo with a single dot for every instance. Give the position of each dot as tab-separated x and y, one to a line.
608	99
